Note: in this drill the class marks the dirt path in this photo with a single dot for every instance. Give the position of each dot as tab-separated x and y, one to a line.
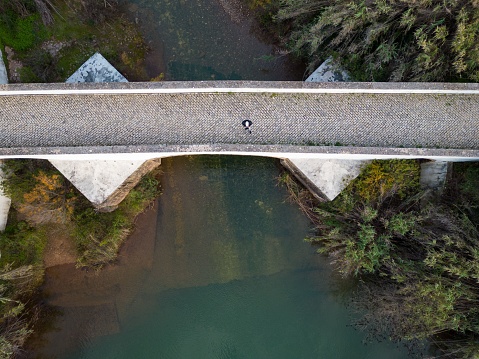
60	248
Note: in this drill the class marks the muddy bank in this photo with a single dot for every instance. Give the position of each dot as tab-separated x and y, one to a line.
88	303
66	285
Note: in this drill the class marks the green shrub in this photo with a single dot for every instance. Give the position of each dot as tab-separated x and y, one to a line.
39	66
425	40
24	33
99	235
470	186
27	75
21	244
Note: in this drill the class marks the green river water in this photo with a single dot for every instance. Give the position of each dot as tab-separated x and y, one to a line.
209	40
226	274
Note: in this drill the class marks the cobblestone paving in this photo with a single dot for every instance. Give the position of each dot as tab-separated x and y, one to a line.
377	120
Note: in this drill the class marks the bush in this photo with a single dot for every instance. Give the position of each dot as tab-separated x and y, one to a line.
21	243
381	177
419	263
363	225
426	40
39	66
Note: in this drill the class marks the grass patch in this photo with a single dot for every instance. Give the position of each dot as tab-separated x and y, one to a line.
98	235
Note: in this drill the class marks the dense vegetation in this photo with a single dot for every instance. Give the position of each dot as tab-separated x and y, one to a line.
381	40
52	38
44	204
418	260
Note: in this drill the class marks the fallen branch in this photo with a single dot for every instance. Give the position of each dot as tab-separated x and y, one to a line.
45	13
54	9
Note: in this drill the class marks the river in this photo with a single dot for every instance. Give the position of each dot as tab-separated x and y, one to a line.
209	40
218	269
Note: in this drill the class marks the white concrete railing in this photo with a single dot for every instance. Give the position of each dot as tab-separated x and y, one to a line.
151	155
213	90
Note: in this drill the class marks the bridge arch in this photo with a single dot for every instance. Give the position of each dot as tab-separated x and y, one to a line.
90	128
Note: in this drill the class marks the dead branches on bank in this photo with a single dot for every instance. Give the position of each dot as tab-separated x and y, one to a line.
300	196
44	12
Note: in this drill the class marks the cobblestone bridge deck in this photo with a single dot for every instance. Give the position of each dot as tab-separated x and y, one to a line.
43	117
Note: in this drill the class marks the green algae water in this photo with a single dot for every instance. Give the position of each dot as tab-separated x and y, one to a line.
218	269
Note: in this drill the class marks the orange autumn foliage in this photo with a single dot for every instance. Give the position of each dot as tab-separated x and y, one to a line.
49	201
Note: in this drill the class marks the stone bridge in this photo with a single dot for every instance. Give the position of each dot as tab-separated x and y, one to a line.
99	134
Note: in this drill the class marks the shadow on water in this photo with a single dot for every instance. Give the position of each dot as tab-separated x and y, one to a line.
192	72
218	269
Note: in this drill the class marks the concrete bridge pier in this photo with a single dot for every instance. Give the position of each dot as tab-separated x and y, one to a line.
324	178
434	176
105	183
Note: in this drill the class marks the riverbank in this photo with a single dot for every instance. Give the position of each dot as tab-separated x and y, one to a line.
416	258
52	225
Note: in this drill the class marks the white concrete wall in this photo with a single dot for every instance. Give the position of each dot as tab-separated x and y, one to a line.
3	70
330	177
96	69
97	179
5	203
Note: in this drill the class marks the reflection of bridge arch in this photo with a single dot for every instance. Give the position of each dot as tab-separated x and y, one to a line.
101	127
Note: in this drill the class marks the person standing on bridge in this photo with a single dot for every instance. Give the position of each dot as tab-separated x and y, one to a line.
247	124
